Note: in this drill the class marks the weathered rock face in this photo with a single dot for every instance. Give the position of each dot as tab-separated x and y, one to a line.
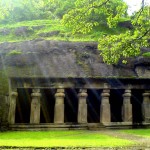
40	58
23	31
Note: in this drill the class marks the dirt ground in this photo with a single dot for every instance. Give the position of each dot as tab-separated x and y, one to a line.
141	143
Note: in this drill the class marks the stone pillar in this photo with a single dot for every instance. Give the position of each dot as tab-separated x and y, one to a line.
127	106
82	107
59	106
35	107
146	106
12	107
105	107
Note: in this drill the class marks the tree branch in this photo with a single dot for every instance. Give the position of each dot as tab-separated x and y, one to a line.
140	11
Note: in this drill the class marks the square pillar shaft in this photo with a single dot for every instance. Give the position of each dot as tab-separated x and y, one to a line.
82	107
127	106
105	107
35	108
12	108
146	107
59	106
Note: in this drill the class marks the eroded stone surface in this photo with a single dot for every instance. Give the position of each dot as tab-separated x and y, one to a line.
66	59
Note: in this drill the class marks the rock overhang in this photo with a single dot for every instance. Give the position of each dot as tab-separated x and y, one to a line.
59	59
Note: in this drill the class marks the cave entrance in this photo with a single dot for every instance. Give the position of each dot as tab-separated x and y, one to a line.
136	101
93	105
116	102
23	106
71	105
47	105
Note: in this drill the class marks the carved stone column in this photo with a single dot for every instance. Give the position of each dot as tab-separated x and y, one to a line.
82	107
59	106
105	107
12	108
127	106
146	106
35	107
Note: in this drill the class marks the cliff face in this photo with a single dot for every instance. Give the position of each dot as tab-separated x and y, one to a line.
40	58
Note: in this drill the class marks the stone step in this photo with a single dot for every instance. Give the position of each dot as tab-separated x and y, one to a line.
56	126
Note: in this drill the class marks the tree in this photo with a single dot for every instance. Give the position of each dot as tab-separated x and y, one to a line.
91	13
3	9
128	44
22	10
61	7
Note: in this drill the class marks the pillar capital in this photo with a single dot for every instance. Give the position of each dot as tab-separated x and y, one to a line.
60	90
127	93
105	93
36	95
35	90
146	94
106	86
60	93
14	94
83	93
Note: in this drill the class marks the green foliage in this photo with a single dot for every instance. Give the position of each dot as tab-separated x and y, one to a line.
124	45
90	14
14	52
147	54
61	7
21	10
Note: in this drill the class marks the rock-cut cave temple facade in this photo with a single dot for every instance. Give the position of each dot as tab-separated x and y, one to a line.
53	84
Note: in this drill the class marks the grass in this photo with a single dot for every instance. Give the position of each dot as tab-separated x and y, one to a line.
60	139
29	23
147	54
46	26
139	132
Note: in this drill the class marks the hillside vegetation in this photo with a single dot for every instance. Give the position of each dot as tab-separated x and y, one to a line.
106	22
29	20
49	30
